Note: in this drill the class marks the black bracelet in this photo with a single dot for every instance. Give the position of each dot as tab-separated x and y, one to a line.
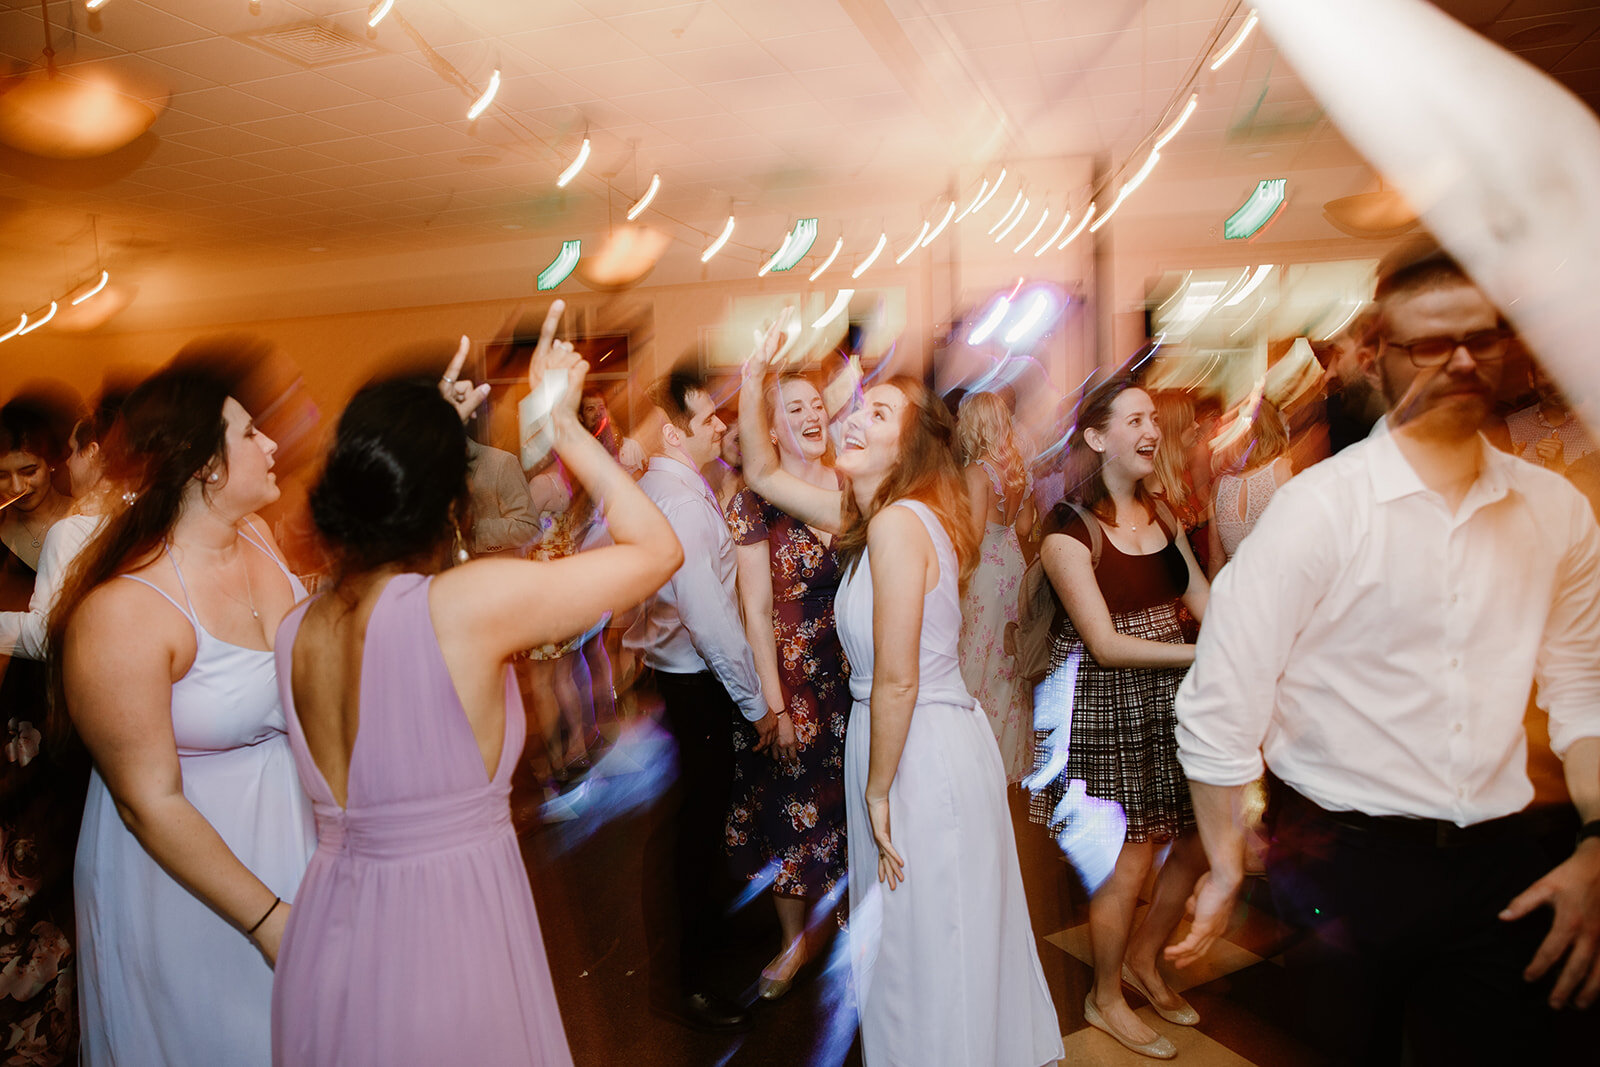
1587	830
252	931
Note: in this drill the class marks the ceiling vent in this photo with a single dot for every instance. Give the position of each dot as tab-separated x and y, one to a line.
312	44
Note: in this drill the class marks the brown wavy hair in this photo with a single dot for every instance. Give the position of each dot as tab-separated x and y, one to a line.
928	470
1086	483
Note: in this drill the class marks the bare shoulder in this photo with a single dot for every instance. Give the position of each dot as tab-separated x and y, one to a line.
897	528
122	616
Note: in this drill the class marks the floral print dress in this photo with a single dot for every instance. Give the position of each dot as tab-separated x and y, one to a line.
789	814
41	801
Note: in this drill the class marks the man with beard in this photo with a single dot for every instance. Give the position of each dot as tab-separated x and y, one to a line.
1373	644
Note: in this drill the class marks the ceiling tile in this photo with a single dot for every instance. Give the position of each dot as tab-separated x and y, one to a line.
221	60
446	105
303	91
728	63
987	28
426	139
284	184
681	28
170	122
226	105
605	80
774	90
842	82
382	77
225	141
134	27
346	176
822	49
169	153
578	44
800	116
295	129
704	128
374	116
227	170
359	150
686	102
289	160
763	19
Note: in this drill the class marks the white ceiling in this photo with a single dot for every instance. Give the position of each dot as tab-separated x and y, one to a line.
865	112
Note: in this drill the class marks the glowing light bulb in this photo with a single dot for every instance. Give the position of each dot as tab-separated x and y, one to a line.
1033	232
105	276
644	201
949	213
48	315
483	101
1048	241
379	11
1238	39
872	257
829	261
577	164
835	309
912	247
1172	131
1001	221
716	246
1013	225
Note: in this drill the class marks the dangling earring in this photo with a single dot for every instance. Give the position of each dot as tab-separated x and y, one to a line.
460	544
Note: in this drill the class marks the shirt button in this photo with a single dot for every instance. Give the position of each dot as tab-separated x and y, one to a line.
1461	791
1454	662
1454	597
1458	728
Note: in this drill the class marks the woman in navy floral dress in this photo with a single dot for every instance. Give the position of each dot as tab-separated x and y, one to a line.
787	818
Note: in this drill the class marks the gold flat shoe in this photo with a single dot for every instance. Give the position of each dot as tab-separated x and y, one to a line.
1161	1048
1183	1015
773	988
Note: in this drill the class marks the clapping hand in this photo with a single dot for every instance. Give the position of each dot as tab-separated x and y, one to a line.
461	393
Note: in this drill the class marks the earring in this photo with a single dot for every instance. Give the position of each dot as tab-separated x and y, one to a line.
460	544
212	477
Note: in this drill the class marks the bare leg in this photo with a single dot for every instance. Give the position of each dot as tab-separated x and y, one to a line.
1110	920
792	919
1185	864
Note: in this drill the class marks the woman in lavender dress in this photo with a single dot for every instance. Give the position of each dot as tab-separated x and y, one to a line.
414	938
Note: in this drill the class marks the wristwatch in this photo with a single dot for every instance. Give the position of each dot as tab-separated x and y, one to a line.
1588	829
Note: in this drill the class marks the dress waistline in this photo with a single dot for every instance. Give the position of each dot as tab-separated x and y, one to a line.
409	830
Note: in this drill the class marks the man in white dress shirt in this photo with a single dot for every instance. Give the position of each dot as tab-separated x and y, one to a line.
692	638
1373	644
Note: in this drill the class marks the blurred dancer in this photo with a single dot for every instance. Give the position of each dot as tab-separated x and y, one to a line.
414	938
1352	400
998	489
1253	468
596	417
1374	642
1546	432
1174	481
787	819
503	520
1121	566
195	817
691	637
942	953
725	473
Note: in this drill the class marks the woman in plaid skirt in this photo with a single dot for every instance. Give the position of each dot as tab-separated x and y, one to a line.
1121	566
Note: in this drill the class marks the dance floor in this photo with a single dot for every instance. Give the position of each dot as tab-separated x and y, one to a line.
588	887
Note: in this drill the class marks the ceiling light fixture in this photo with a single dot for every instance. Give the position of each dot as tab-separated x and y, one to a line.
1172	131
837	245
1061	229
835	309
1264	201
1127	190
973	203
483	101
105	276
577	164
561	266
796	243
981	204
912	247
18	328
1088	216
48	315
380	11
1001	221
1238	39
980	333
644	201
1250	286
1026	204
766	267
716	246
1033	232
949	213
872	257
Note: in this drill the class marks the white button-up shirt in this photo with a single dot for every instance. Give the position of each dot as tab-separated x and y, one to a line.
1378	650
692	623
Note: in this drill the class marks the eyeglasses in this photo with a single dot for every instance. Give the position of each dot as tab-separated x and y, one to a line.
1485	346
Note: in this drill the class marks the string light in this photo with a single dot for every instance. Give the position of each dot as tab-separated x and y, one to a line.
979	206
488	96
975	198
912	247
1076	230
1026	204
835	309
379	11
829	261
1048	241
1172	131
1127	190
577	164
949	213
644	201
1238	39
872	257
1033	232
766	268
1250	286
105	276
1001	221
18	328
716	246
48	315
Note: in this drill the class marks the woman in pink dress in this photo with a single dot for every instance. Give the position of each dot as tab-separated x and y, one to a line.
414	938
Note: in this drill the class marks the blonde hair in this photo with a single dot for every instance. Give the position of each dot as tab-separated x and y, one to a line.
1265	440
983	428
1174	414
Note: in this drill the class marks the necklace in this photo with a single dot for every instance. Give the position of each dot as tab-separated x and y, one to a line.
33	538
249	591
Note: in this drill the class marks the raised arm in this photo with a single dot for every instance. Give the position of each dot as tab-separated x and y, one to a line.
901	556
1071	572
505	605
812	505
118	659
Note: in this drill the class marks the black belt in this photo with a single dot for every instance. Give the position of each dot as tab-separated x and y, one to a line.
1425	833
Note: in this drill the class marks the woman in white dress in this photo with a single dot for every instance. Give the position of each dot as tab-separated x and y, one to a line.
196	831
943	956
998	489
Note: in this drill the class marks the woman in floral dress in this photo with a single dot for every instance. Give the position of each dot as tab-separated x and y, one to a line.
787	818
998	487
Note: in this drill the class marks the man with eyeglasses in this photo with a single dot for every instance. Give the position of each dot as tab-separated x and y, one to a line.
1373	644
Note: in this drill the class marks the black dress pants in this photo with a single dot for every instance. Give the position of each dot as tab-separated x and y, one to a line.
1404	947
685	862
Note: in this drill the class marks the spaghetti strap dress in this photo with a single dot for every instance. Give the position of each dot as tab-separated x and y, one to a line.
945	967
164	979
414	938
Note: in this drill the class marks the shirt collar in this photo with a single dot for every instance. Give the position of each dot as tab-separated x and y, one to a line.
1393	476
679	471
